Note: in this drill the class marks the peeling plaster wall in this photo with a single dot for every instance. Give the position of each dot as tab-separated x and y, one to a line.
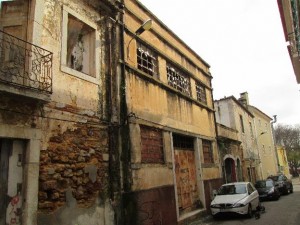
73	150
74	176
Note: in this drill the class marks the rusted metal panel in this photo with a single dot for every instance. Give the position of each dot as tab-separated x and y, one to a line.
150	207
186	179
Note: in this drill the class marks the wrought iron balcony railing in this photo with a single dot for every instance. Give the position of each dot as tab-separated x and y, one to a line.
25	64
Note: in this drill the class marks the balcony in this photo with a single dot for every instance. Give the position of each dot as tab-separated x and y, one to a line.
25	69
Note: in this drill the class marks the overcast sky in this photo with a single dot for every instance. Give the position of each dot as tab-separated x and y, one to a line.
243	42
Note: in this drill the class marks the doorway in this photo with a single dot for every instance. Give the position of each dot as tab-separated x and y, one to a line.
12	154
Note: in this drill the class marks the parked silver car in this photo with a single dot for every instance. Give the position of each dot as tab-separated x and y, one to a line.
239	198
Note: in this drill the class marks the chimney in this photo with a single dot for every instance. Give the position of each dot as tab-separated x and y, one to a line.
244	99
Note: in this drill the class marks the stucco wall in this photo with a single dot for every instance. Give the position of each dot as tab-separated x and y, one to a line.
73	155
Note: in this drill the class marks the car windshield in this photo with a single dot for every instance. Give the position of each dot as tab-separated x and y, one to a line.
232	189
264	183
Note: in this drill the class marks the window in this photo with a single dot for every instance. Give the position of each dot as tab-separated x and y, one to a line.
183	142
242	124
207	151
152	145
251	130
178	80
146	60
201	93
80	46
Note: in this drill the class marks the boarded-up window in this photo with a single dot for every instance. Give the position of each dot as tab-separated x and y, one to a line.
207	152
152	145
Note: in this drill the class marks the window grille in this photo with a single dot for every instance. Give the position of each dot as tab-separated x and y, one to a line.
146	60
178	80
183	142
201	93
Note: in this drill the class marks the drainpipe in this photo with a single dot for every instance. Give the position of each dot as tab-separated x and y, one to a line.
110	112
274	139
216	131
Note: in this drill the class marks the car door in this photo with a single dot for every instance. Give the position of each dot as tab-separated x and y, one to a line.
287	182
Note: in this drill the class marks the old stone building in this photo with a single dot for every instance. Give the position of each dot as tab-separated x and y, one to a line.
58	147
170	160
231	153
232	113
100	122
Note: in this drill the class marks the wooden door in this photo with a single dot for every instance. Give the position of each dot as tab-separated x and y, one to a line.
186	179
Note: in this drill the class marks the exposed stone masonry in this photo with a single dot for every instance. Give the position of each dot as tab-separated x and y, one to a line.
76	159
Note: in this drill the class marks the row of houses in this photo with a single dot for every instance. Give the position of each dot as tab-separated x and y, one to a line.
107	117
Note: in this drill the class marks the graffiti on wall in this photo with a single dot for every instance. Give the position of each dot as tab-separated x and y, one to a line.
149	213
13	213
151	207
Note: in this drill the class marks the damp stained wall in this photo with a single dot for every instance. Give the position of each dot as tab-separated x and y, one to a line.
152	101
73	147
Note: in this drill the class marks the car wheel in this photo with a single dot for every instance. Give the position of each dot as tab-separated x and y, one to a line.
250	212
291	190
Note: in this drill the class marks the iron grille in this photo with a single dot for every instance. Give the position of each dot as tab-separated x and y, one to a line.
201	93
178	80
25	64
146	60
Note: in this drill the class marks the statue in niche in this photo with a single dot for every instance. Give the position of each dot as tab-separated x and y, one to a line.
77	54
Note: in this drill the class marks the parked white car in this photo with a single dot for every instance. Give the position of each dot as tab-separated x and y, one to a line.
239	197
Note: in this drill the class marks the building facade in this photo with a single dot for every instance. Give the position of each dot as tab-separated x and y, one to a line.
232	113
265	141
170	159
56	117
289	13
231	154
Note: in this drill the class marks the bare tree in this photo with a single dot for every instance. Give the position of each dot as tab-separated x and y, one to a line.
289	137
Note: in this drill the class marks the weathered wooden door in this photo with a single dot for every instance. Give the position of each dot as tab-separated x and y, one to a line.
186	179
11	180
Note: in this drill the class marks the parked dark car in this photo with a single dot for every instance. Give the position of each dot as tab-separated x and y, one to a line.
284	184
267	190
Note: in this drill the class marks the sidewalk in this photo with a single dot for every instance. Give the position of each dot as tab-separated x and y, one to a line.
206	220
296	180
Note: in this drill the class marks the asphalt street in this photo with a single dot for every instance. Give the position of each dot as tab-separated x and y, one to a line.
285	211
